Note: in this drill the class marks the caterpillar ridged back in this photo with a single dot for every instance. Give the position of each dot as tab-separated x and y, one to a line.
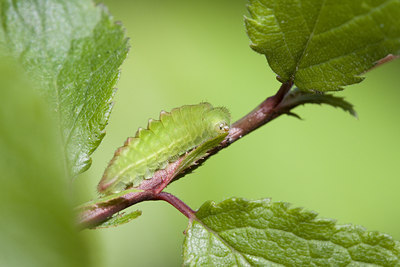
163	142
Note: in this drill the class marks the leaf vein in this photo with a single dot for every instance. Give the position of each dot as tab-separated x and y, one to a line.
309	38
223	241
347	54
283	35
87	101
371	11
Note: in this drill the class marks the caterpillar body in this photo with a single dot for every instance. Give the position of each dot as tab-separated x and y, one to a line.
164	140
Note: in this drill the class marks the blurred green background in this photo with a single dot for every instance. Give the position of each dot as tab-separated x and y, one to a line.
185	52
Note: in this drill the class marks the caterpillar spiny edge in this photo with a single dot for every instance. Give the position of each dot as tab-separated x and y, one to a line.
163	142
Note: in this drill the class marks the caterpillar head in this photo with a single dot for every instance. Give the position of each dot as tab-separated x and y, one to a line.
218	120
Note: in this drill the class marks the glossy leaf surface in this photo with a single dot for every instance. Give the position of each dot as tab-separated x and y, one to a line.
73	51
324	45
238	232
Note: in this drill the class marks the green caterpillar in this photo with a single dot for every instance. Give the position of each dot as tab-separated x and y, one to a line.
164	140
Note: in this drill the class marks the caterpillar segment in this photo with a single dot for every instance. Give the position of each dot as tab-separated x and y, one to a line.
163	142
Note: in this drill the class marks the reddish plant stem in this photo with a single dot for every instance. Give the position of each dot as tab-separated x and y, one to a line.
93	214
260	115
177	203
384	60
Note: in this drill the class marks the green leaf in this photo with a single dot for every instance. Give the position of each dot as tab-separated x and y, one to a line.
238	232
324	45
119	219
37	225
72	49
297	97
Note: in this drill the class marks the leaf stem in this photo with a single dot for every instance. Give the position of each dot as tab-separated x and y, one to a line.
260	115
92	214
177	203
